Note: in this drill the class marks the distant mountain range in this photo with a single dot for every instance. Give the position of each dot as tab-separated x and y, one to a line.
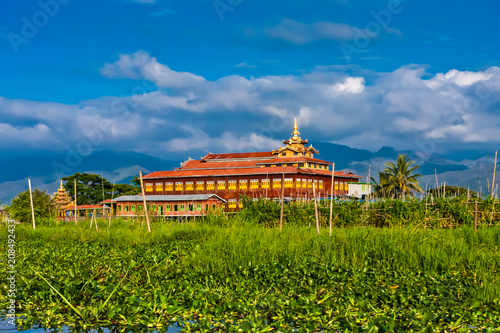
46	169
470	169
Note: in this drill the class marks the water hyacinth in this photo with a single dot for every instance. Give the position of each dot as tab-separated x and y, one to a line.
234	274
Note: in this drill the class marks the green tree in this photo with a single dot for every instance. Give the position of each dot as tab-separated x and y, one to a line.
126	189
136	181
380	187
88	188
20	206
398	179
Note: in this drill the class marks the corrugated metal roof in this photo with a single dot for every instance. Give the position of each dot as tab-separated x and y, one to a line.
72	207
183	197
343	174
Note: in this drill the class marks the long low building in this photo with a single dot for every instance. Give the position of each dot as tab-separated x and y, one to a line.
169	205
290	171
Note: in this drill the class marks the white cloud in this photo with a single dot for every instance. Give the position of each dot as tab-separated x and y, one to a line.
352	85
141	65
186	112
301	33
244	65
37	136
461	79
228	141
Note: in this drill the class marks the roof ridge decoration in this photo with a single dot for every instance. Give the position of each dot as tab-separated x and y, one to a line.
296	143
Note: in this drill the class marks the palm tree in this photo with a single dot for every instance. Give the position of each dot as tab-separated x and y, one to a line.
399	179
380	187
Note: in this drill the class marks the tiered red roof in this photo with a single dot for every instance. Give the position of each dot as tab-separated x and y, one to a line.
237	155
267	162
244	171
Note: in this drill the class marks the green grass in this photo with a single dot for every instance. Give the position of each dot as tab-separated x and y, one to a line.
235	275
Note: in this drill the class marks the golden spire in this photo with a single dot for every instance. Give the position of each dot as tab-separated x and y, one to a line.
295	132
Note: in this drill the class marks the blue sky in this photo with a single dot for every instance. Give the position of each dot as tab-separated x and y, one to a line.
162	77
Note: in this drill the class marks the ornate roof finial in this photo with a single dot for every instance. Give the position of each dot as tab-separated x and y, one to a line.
295	132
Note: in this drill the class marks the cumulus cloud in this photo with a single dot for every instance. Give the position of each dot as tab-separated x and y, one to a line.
352	85
184	112
302	33
461	79
141	65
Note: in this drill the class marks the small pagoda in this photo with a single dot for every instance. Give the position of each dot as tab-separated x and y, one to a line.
62	201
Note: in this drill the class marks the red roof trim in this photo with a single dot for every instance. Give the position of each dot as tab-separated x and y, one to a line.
244	171
237	155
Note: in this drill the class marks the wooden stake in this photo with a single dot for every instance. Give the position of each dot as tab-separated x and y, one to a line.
316	209
76	210
331	198
102	185
31	200
282	198
475	219
437	185
111	203
144	201
494	171
95	220
444	190
426	198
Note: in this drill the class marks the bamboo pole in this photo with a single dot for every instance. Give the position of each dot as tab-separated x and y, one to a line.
331	198
316	209
282	198
111	203
94	215
31	202
437	184
76	210
102	185
426	199
475	219
494	171
144	201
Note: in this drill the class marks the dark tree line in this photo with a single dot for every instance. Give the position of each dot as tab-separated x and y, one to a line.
89	188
